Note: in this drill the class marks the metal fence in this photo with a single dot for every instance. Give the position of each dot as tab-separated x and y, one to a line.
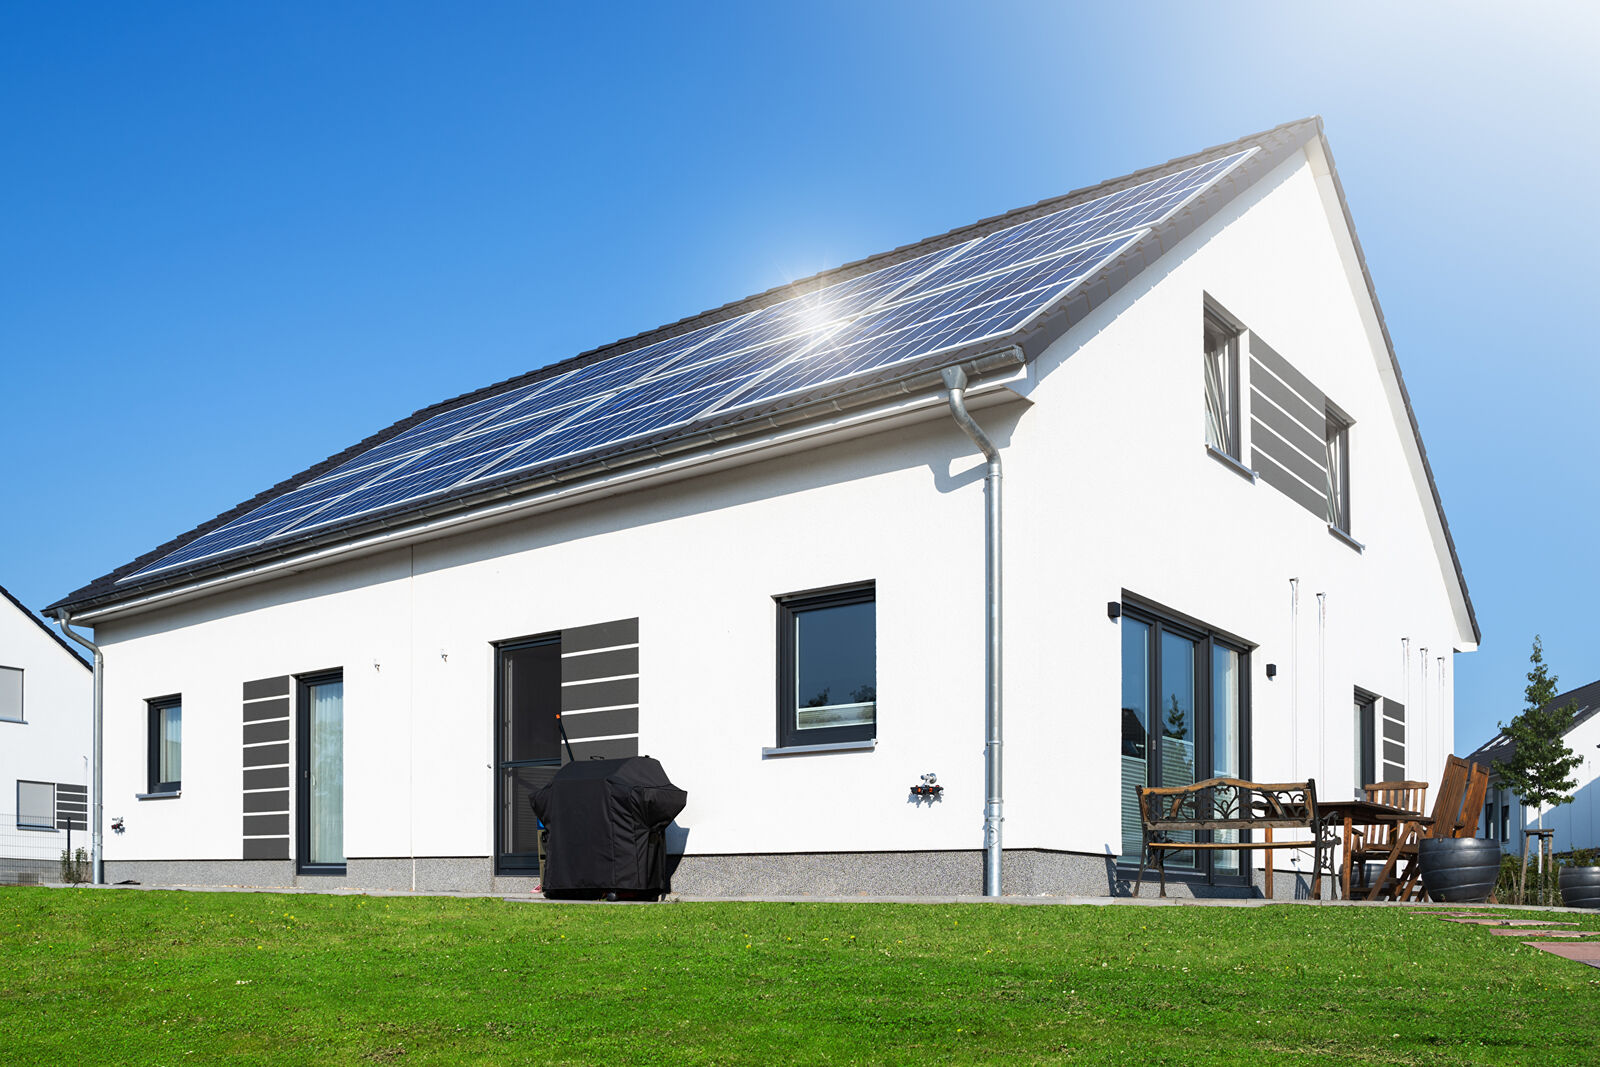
33	857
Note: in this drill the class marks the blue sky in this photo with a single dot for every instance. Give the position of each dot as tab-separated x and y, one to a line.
239	237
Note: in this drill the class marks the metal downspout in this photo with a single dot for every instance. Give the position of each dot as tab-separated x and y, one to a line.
96	819
955	379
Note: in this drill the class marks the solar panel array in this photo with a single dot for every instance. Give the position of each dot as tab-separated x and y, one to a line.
983	289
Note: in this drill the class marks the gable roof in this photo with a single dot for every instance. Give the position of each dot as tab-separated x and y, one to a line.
41	624
1500	748
1270	147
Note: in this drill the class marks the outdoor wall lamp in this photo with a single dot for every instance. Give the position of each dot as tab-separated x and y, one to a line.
1114	610
1272	671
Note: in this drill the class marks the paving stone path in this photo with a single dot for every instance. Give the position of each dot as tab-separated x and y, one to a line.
1581	951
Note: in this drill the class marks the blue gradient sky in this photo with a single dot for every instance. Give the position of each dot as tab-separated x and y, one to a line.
239	237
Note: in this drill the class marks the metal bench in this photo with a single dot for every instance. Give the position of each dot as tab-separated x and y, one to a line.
1231	804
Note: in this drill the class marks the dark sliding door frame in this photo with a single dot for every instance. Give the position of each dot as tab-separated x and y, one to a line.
1206	639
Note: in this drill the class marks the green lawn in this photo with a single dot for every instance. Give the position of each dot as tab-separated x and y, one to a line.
101	977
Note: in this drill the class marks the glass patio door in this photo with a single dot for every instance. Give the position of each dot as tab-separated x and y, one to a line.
1183	721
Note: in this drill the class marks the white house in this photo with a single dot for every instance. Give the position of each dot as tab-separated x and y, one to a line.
45	692
1577	825
753	545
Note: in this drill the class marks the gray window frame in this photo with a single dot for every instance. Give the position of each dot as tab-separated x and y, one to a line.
789	608
1336	442
156	707
1223	327
22	694
35	827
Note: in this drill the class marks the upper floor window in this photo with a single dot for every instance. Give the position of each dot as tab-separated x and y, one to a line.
11	694
1336	439
828	667
1222	384
166	745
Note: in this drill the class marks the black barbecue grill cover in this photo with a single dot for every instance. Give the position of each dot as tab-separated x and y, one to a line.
607	821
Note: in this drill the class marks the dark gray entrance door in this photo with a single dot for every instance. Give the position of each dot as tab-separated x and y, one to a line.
527	742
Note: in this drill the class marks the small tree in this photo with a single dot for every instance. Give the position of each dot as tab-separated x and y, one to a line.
1540	769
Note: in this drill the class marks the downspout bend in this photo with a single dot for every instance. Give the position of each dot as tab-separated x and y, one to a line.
96	818
955	380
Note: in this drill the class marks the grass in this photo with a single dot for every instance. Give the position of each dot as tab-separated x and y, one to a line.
96	976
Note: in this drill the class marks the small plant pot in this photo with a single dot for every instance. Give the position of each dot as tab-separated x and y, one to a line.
1580	887
1459	870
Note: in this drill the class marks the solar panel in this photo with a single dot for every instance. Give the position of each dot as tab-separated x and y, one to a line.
982	289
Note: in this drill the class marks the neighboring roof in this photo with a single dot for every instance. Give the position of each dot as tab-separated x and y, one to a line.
1273	146
41	624
1499	748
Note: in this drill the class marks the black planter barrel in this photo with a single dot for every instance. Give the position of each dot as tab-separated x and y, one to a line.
1580	887
1459	870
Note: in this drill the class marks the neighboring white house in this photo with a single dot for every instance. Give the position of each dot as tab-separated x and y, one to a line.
752	545
45	695
1577	825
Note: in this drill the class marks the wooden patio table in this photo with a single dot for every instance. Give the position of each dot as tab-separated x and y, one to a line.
1369	813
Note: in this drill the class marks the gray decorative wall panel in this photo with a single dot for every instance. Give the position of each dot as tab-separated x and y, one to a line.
1394	725
72	806
1288	429
600	689
265	763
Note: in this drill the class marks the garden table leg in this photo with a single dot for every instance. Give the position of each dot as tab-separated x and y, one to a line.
1348	822
1268	853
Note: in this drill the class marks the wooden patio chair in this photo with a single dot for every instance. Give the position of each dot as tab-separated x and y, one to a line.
1447	822
1375	843
1472	806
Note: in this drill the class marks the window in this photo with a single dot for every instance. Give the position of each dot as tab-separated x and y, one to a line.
320	731
1365	742
828	667
1185	718
1222	384
11	694
1336	437
36	805
166	745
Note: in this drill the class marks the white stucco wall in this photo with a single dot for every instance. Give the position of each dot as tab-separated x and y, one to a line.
52	743
1108	487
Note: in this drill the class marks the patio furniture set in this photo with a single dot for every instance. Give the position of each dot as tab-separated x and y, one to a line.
1382	830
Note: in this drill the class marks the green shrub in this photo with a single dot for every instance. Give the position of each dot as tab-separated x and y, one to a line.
1541	887
75	866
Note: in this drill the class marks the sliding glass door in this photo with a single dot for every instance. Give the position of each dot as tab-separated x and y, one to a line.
1184	720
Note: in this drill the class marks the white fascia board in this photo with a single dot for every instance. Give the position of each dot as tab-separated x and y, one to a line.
1010	387
1409	433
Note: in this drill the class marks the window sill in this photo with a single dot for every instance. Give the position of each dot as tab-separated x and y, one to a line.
1340	535
806	750
18	722
36	829
1232	464
171	794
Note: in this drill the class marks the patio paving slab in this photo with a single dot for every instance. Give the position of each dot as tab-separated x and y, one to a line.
1545	933
1508	922
1580	951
